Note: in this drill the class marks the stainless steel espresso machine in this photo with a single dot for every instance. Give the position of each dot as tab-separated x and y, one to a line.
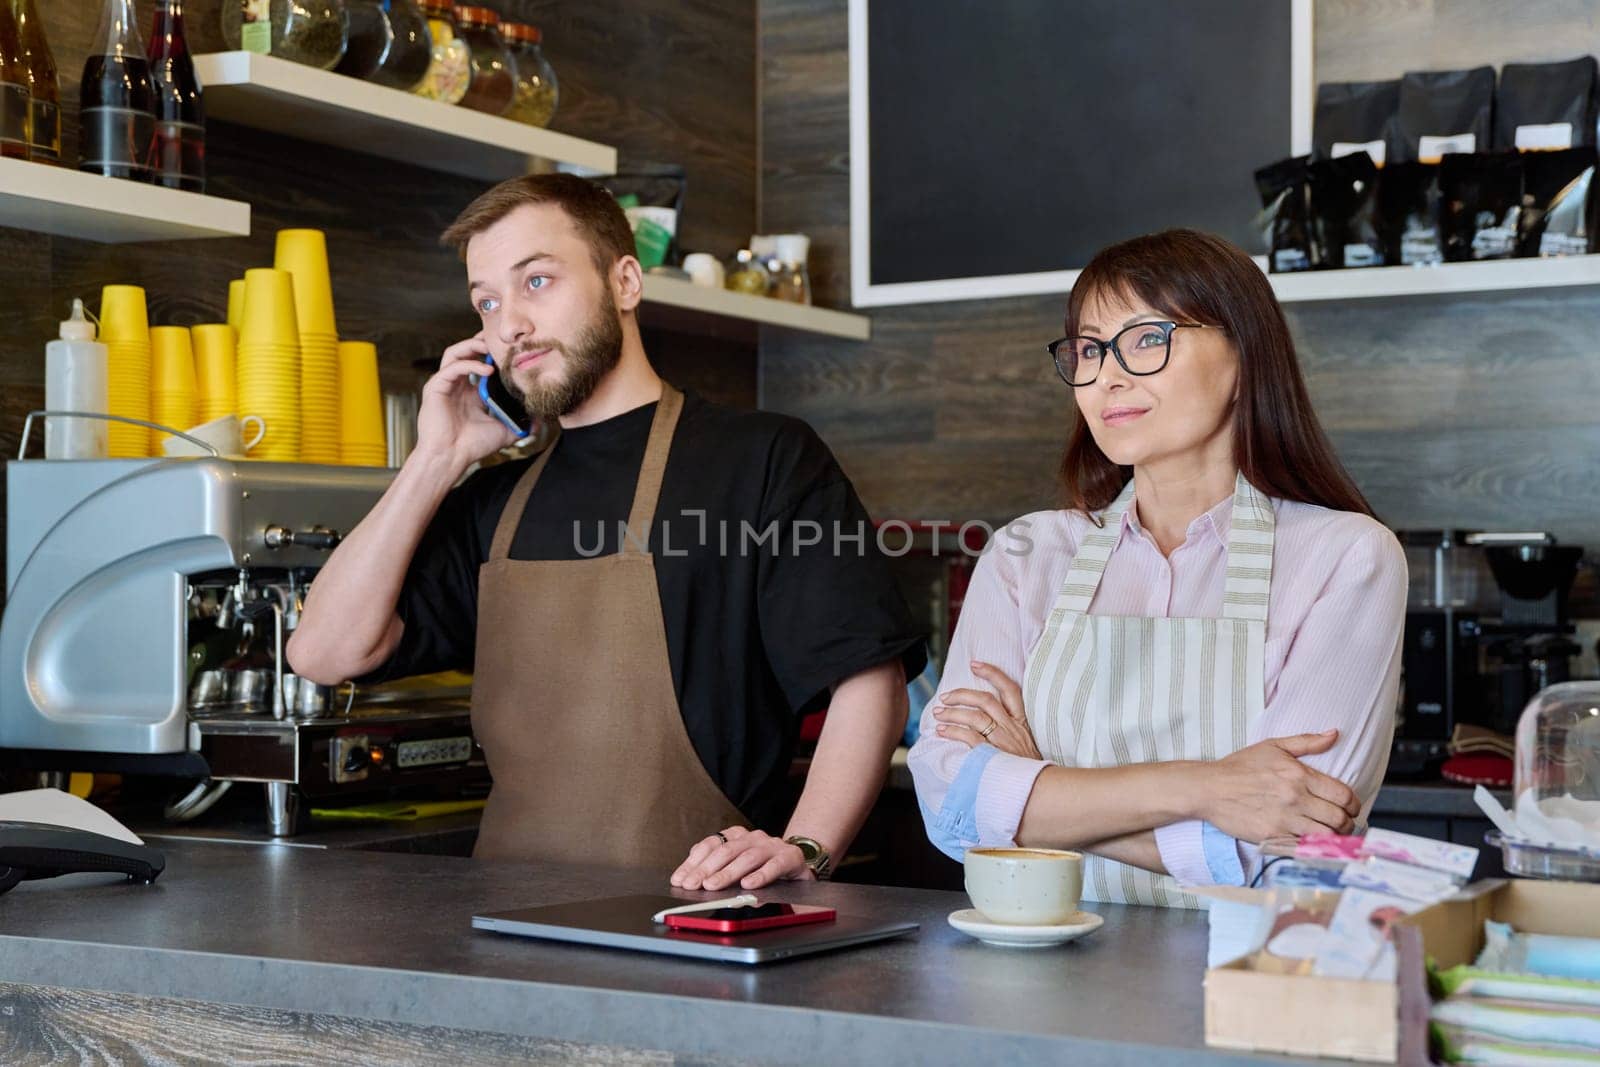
147	607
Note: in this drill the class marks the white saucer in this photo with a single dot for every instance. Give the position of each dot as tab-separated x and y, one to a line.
1009	935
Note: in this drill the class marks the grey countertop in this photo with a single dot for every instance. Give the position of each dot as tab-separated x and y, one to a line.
387	936
1439	799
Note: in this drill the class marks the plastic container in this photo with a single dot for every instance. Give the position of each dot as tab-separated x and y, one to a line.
313	32
537	93
75	380
494	72
450	58
1558	779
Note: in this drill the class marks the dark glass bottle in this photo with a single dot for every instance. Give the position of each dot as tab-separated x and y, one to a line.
179	157
16	118
116	103
42	84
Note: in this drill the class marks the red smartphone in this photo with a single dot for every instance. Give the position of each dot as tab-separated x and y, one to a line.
747	919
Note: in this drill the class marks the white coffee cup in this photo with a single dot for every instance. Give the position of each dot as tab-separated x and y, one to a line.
1025	886
226	435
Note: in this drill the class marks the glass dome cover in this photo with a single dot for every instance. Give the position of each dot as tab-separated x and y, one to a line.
1558	754
1556	791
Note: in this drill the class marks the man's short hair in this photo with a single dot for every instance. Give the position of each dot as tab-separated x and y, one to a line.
593	210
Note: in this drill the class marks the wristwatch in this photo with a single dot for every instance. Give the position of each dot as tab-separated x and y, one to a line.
814	854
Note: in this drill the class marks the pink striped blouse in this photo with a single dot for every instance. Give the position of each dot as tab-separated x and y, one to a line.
1334	624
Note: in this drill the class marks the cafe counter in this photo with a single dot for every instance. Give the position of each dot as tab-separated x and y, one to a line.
274	952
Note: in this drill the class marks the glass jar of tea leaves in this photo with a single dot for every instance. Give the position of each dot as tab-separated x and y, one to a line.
313	32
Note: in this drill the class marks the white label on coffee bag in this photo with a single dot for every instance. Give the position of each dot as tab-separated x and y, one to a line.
1285	260
1429	149
1562	244
1362	255
1375	149
1550	136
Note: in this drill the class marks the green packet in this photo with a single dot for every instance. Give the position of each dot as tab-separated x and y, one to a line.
1466	980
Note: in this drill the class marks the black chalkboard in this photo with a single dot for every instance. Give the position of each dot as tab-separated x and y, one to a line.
1020	136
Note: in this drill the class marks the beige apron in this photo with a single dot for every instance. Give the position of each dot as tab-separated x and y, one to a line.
573	701
1107	691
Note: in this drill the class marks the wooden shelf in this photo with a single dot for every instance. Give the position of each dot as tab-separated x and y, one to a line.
318	105
677	293
1485	276
71	203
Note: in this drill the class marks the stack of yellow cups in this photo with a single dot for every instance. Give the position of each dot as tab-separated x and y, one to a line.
236	305
215	373
304	254
172	386
362	442
125	331
269	363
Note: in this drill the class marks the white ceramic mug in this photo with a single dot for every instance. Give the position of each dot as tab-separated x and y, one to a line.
226	435
1025	886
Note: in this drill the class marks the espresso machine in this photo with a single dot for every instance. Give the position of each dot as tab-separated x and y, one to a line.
147	607
1440	653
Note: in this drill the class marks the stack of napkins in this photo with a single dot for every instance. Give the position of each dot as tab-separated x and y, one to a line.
1527	999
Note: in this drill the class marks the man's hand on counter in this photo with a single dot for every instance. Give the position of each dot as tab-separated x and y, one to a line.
751	858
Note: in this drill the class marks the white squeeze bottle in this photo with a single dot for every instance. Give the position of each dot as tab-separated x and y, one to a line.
75	380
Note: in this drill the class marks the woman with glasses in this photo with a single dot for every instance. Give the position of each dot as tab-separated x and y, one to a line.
1201	651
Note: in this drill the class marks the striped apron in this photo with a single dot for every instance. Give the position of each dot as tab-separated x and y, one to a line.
1107	691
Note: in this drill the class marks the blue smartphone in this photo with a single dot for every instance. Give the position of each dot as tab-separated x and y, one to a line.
498	402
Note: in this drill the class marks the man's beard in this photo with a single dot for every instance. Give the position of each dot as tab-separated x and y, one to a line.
591	356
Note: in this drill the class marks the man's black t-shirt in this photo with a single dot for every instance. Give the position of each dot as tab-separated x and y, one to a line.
759	623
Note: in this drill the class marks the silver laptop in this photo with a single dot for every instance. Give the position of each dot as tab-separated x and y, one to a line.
624	922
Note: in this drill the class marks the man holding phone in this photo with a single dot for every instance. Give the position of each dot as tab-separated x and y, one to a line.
648	605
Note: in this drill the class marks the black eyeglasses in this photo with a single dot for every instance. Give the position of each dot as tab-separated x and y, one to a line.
1141	349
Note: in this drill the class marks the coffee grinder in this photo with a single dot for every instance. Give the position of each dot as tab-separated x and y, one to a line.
1530	647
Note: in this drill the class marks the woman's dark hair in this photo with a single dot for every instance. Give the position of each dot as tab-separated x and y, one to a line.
1196	277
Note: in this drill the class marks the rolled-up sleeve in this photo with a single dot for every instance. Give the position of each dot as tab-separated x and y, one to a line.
975	796
1342	671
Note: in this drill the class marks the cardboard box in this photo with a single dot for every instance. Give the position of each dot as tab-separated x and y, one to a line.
1304	1015
1452	931
1380	1022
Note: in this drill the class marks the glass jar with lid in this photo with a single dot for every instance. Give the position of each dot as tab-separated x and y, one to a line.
747	274
389	43
313	32
494	73
450	61
1557	785
537	92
